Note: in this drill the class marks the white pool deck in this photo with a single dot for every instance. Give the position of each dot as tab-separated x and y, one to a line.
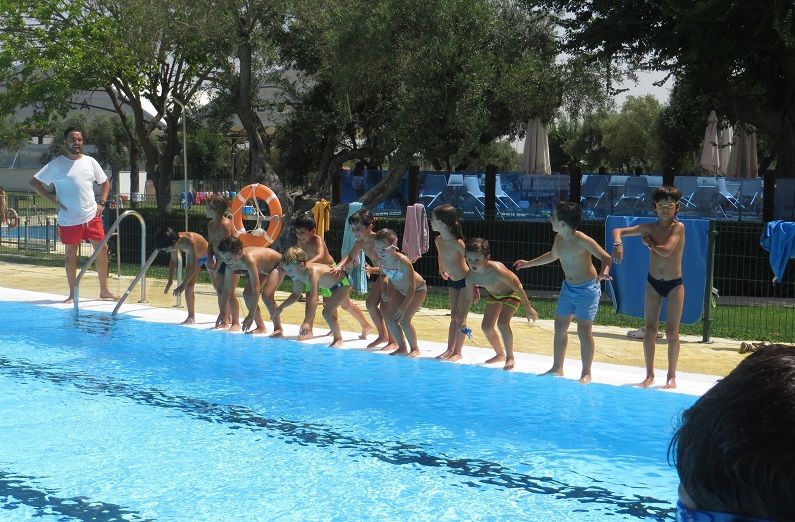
604	373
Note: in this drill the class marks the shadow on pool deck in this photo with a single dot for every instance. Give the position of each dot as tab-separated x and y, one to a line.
612	345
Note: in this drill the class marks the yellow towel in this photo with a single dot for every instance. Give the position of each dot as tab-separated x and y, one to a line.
321	212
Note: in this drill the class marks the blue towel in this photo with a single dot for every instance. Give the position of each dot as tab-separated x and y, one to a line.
357	275
629	277
779	239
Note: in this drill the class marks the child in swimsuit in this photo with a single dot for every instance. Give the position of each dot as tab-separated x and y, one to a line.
453	269
362	224
505	294
194	246
580	292
259	264
219	228
665	240
318	279
404	291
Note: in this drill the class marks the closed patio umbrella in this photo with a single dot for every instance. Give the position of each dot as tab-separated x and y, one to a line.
710	153
743	160
725	140
536	148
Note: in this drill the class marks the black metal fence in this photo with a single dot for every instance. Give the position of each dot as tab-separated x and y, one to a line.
747	305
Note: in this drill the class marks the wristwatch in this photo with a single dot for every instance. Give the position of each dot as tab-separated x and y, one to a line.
103	202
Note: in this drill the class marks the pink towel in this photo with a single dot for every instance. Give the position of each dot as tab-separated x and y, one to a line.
415	233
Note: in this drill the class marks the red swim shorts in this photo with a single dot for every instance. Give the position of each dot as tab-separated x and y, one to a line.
91	231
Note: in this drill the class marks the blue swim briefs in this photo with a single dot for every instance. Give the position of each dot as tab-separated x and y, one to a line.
581	301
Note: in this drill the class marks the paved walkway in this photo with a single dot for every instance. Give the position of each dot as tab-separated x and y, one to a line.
612	344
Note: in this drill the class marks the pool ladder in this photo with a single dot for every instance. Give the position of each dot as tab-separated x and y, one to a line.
144	264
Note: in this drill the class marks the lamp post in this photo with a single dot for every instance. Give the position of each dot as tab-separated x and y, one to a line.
184	156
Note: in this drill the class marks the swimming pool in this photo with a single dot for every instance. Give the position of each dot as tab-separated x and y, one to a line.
131	420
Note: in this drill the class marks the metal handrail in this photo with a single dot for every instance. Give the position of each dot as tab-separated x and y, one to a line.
104	242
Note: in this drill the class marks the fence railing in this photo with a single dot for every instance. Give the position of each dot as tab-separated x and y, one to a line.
747	304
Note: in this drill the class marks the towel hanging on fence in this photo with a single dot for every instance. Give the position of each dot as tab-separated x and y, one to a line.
415	232
778	238
356	273
321	212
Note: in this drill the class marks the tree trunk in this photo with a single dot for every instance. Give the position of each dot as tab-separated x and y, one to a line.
785	149
135	175
259	163
381	191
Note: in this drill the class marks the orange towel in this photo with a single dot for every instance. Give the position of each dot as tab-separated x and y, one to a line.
321	212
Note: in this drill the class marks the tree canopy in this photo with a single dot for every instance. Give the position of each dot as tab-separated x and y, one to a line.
735	57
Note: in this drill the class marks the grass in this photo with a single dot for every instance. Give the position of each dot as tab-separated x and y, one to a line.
760	323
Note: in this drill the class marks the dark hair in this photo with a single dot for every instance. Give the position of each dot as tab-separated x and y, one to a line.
570	213
218	203
305	221
362	217
448	215
73	129
166	238
734	448
666	192
477	245
387	235
230	244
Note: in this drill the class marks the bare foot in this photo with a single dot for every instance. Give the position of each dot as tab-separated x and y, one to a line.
648	381
69	300
304	337
414	353
234	328
444	356
337	343
222	326
553	371
496	358
278	333
671	384
509	363
390	346
365	330
189	320
400	351
329	334
585	378
108	296
258	331
454	357
378	341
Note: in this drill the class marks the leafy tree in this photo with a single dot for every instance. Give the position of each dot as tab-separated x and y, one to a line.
499	153
629	135
135	49
736	57
111	140
208	152
12	136
393	89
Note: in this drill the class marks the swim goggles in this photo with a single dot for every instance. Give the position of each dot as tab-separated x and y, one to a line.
685	514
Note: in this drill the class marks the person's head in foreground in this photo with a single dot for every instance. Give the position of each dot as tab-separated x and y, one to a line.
477	252
304	226
293	261
735	448
165	239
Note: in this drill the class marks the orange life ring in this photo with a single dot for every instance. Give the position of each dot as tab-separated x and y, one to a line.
12	218
259	237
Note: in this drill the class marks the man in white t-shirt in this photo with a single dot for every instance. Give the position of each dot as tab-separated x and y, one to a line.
79	216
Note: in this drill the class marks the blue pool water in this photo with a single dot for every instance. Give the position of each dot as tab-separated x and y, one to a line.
128	420
32	231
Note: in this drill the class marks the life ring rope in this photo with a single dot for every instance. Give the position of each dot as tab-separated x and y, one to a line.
258	236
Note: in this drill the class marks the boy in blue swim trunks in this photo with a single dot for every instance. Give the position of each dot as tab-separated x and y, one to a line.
319	279
665	239
194	247
580	292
